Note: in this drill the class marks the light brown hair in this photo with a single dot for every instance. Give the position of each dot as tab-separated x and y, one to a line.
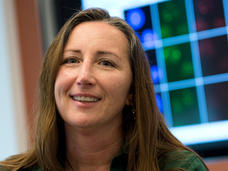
146	136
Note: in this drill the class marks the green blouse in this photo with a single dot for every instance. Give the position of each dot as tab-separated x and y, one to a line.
181	159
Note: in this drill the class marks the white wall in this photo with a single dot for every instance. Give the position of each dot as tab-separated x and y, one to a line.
12	108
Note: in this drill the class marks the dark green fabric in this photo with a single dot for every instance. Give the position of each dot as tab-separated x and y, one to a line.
182	160
177	160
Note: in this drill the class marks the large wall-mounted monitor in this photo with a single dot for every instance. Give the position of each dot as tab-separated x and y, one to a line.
186	42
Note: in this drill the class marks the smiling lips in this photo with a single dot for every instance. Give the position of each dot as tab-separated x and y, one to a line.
85	98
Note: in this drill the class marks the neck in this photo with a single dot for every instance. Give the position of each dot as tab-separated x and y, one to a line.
92	148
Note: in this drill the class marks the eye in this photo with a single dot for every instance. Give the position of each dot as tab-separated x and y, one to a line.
71	60
107	63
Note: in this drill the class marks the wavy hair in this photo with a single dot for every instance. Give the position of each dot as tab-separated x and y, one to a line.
146	137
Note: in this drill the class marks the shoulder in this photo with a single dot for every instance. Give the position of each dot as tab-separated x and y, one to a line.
181	160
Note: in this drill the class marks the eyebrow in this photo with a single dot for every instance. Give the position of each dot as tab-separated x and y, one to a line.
99	52
72	50
108	53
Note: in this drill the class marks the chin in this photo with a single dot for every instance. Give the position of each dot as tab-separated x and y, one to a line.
81	123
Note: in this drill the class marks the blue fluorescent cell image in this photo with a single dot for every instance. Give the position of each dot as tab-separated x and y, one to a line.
155	74
136	18
148	38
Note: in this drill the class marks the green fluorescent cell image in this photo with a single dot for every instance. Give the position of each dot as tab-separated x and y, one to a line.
184	107
178	61
173	18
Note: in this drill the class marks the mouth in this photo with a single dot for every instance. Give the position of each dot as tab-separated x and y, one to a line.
87	99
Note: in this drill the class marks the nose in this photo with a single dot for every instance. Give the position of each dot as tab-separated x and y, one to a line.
85	75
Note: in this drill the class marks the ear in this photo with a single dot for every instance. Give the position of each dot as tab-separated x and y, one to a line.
129	100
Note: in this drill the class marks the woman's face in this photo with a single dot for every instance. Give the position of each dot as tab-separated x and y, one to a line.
93	82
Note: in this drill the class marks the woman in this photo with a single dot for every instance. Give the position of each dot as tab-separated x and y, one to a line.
97	105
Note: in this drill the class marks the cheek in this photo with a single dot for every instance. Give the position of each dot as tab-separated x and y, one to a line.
119	86
63	82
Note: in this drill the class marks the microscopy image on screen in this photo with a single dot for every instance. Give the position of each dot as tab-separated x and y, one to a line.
178	61
173	19
187	46
140	20
214	55
209	14
217	107
184	107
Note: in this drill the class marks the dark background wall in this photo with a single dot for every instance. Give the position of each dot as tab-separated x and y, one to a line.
64	9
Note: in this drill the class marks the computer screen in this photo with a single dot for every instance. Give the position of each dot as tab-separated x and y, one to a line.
186	42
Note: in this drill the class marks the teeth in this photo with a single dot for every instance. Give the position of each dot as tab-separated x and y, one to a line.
85	99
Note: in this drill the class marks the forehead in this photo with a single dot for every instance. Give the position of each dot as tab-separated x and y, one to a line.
97	33
97	29
102	25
